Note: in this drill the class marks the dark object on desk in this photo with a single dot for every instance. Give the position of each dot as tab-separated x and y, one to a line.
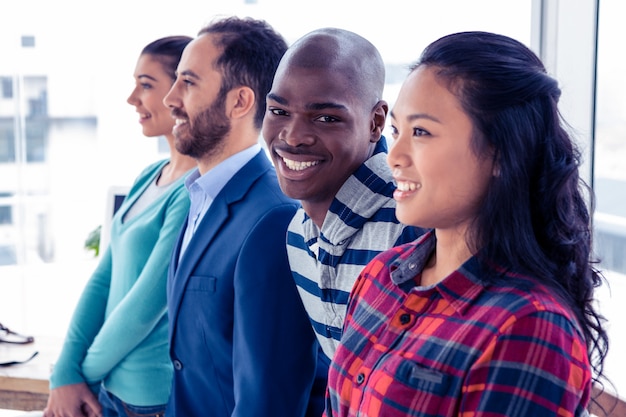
11	363
9	336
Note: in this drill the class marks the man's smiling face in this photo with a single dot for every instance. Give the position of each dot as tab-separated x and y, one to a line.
317	132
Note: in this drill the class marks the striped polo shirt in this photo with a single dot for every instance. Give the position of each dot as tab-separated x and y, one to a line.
360	223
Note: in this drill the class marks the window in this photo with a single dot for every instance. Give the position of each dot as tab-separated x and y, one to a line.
7	140
6	85
610	140
6	213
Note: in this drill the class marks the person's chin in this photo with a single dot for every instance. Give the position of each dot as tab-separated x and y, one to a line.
182	144
296	189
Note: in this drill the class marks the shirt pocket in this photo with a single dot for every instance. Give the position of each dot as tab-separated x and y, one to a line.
419	377
414	389
200	283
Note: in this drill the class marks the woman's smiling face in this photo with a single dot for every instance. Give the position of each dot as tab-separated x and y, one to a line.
441	181
152	83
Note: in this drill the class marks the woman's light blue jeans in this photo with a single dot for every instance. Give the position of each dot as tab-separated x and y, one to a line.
112	406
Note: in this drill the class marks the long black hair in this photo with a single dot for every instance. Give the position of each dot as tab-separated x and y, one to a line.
535	217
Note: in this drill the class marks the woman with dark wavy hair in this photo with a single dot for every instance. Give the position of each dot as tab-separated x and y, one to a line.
491	313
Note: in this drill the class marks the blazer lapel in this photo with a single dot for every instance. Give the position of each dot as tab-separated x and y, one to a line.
208	229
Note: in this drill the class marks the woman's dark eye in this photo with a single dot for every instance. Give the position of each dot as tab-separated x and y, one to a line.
420	132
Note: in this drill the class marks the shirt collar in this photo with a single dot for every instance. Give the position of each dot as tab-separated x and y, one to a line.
212	182
461	288
375	187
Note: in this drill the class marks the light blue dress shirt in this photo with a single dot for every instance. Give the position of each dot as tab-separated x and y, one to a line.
203	189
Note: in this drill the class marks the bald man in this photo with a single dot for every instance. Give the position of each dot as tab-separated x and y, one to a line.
323	128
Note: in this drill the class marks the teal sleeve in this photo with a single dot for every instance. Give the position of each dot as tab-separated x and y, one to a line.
84	326
145	304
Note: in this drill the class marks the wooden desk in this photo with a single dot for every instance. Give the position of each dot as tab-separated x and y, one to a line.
25	386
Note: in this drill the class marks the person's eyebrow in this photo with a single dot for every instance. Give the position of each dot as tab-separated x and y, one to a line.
188	73
277	98
327	105
415	116
311	106
150	77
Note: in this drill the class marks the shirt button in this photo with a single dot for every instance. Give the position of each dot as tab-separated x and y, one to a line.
405	318
178	365
360	378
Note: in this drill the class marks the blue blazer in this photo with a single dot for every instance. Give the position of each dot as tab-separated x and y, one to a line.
240	339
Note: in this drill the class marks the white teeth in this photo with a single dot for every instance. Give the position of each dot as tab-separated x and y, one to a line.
298	165
180	121
408	186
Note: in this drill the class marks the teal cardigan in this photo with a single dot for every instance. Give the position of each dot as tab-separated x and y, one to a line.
118	332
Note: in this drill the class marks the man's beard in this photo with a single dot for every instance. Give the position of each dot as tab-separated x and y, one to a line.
207	131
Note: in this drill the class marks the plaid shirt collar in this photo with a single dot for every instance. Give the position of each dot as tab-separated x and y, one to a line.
461	288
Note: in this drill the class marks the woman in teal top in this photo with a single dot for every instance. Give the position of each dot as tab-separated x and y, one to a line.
116	345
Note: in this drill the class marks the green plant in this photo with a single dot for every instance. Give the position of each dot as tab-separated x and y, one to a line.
93	241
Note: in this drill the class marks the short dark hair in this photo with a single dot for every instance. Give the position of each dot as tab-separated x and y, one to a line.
167	51
251	51
534	218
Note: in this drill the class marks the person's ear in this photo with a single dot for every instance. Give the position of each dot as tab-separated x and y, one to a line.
379	116
495	166
240	101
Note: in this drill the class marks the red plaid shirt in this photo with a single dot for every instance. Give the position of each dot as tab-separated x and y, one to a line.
458	348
